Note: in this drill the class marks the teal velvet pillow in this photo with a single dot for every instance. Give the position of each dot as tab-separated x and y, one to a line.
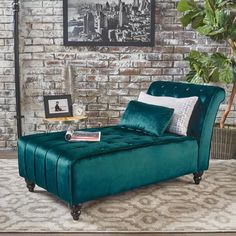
147	118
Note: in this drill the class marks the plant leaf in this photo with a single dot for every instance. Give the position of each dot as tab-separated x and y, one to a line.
232	33
216	32
185	5
197	21
204	30
226	74
221	17
210	68
210	6
187	19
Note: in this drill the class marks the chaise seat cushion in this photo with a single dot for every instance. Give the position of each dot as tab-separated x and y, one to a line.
64	167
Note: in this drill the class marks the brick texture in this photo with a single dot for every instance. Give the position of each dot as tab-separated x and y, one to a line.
104	79
7	87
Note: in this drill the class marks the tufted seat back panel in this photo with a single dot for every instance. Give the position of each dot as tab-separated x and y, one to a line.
204	114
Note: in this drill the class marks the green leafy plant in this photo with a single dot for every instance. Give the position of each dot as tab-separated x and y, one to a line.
215	19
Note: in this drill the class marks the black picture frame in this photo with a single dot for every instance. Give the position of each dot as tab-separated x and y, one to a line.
80	26
57	106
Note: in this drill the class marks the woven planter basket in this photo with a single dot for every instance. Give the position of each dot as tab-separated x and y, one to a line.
223	144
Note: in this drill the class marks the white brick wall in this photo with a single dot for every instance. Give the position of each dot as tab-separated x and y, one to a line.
104	78
7	87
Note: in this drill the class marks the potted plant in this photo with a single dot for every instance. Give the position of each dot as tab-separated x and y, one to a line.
215	19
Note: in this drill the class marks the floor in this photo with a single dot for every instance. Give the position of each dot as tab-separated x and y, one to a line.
120	234
11	154
8	154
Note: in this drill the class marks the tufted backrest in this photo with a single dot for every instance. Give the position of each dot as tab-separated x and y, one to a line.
204	114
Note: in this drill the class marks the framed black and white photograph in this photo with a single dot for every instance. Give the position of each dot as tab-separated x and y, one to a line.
57	106
109	22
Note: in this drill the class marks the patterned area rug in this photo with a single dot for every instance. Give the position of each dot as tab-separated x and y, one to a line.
177	205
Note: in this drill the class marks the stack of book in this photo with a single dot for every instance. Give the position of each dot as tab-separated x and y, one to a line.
82	136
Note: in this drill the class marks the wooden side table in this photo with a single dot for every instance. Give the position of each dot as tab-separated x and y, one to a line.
50	122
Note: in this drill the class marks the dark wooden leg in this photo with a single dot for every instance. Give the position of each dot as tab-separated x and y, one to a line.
76	211
30	185
197	177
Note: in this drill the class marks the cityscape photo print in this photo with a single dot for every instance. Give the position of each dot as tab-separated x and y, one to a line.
110	22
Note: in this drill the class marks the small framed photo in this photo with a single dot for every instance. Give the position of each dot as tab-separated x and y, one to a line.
57	106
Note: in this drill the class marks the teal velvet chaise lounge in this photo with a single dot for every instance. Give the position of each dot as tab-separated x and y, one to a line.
124	159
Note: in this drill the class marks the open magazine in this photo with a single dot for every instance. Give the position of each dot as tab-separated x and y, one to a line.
82	136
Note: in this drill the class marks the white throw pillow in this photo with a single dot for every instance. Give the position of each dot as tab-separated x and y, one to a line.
183	110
